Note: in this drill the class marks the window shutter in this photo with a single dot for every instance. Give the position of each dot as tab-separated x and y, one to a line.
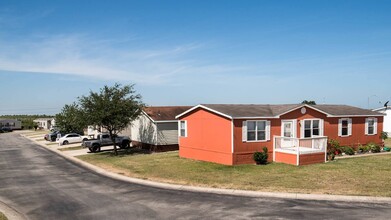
179	128
321	127
244	131
375	126
301	128
349	126
366	126
185	128
340	127
294	128
268	130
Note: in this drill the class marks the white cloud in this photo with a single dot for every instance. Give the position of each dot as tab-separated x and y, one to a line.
101	59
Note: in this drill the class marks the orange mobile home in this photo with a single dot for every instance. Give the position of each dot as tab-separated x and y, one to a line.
296	134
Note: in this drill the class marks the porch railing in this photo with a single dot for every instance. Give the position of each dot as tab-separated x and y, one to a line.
299	146
315	143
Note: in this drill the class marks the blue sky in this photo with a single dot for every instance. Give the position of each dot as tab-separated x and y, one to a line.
192	52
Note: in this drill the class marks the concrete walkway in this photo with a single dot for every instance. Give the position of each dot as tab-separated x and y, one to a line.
298	196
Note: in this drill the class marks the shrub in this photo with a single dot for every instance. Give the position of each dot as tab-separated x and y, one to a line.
384	135
374	148
348	150
333	147
363	149
330	156
261	157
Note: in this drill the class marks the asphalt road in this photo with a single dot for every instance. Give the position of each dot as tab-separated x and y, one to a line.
43	185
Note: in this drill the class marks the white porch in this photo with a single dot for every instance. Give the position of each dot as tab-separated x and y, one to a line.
298	151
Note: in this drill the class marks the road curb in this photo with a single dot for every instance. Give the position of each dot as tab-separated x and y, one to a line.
233	192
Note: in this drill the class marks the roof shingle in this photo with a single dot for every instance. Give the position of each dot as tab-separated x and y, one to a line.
165	113
253	110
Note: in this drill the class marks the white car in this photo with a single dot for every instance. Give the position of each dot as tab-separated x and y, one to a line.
71	138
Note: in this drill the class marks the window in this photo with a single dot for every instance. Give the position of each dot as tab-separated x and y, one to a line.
183	129
344	127
371	126
256	130
312	128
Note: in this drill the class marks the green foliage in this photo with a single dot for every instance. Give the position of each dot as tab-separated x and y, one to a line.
3	217
113	108
384	135
308	102
71	119
348	150
363	149
374	148
333	147
261	157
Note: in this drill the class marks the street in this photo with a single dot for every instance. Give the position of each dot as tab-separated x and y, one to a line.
43	185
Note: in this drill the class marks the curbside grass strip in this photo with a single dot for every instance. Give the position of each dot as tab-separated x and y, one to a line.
232	192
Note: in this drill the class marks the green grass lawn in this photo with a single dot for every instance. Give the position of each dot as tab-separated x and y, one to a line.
354	176
3	217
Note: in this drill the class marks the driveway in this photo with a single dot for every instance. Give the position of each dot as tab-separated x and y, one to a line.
42	185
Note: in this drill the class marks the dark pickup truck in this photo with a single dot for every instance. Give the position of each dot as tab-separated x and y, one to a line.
94	145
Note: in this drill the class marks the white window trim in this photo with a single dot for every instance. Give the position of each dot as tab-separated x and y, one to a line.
374	126
267	131
349	120
180	128
321	127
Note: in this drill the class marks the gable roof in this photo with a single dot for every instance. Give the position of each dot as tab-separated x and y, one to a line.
164	113
233	111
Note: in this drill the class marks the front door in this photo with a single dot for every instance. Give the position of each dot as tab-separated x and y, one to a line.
288	129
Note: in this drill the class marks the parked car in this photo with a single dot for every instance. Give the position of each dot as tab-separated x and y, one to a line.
6	129
94	145
71	139
53	136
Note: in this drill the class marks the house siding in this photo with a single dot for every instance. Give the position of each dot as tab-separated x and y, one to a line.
167	133
208	137
306	159
358	136
143	130
243	150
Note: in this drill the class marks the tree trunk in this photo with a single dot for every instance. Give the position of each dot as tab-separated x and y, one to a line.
114	144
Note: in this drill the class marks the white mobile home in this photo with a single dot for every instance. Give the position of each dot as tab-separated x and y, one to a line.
156	128
387	118
45	123
11	123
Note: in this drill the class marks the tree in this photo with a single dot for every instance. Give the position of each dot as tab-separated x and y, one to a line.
308	102
113	108
71	119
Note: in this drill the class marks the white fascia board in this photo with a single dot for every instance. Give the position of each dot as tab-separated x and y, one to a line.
166	121
143	112
260	117
184	113
382	108
308	106
351	116
232	136
206	108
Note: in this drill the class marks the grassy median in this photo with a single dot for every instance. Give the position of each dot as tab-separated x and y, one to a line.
354	176
3	217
